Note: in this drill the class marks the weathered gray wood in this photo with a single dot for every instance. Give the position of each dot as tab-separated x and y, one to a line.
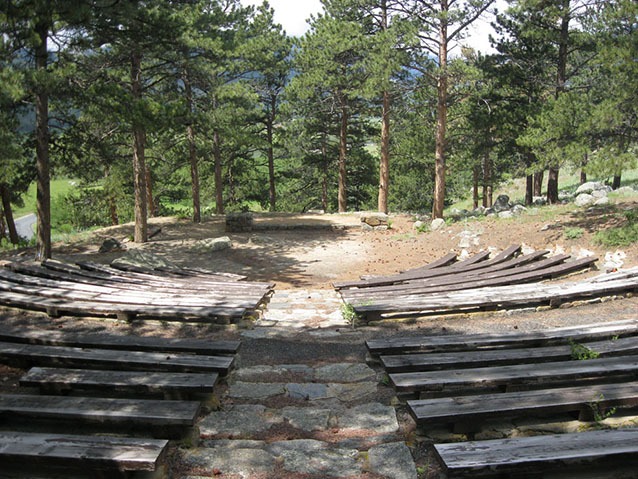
119	342
531	454
388	280
41	355
123	454
83	292
446	260
468	342
520	374
493	297
137	412
59	306
478	408
522	269
492	357
129	381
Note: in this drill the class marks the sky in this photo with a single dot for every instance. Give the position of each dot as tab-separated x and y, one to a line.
292	15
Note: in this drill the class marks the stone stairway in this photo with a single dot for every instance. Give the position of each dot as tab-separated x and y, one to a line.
302	403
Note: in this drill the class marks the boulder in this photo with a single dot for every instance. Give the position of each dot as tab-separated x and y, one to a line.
375	219
111	245
518	210
625	190
418	225
142	259
539	200
502	203
584	199
506	214
437	224
210	245
592	186
602	201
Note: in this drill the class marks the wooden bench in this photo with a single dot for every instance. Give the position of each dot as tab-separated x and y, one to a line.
91	453
494	357
531	457
27	355
445	382
468	342
468	413
120	342
170	385
163	418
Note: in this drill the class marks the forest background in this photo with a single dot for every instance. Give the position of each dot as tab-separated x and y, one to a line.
206	106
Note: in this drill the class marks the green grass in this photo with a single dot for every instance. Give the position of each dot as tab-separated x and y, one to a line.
59	186
623	235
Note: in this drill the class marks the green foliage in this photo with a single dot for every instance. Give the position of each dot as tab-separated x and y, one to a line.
624	235
581	352
573	233
349	314
597	410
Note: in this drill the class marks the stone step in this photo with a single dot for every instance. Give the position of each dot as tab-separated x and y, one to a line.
301	456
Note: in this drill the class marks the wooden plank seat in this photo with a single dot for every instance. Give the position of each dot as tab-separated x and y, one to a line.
492	357
198	284
67	290
119	342
470	412
81	452
42	355
490	298
532	456
416	273
506	339
522	269
130	382
163	416
446	260
30	274
59	306
519	375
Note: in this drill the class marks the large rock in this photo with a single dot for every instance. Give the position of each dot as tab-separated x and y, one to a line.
111	245
375	220
584	199
210	245
142	259
502	203
592	186
437	224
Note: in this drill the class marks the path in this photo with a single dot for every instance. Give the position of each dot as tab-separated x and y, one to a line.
302	403
25	226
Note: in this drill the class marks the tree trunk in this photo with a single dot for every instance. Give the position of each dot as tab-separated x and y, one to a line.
43	194
343	149
561	81
487	181
152	207
384	162
552	186
139	166
270	125
324	178
616	182
529	190
441	120
538	183
192	151
219	184
8	214
475	187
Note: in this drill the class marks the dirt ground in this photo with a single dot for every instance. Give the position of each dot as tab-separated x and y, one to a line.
312	251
